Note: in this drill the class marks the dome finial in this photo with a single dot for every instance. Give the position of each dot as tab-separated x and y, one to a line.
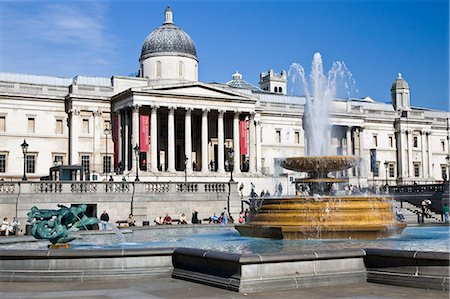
399	76
168	16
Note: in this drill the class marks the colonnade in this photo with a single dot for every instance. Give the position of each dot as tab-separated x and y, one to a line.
162	134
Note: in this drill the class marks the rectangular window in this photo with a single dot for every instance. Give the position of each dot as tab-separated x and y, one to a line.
391	170
59	126
444	172
415	142
2	124
85	126
416	170
278	136
443	145
297	137
85	164
2	163
106	164
30	163
31	124
58	160
376	171
391	141
375	140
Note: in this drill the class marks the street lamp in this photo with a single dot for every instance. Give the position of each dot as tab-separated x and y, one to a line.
185	168
136	152
24	146
230	163
107	133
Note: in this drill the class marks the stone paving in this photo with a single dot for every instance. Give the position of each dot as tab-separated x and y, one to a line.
174	289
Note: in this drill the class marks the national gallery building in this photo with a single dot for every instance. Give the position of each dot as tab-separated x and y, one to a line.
168	126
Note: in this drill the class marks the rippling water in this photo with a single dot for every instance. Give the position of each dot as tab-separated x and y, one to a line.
227	239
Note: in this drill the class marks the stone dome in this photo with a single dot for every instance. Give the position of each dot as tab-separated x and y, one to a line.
400	83
168	40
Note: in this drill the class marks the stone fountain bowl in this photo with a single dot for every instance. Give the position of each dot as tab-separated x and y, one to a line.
319	164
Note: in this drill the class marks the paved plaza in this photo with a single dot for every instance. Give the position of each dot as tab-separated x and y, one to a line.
172	288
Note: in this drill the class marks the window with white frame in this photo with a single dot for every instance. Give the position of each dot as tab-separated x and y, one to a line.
106	164
278	136
2	124
30	164
375	140
416	169
59	126
391	141
444	172
3	162
85	126
415	141
297	137
31	125
85	163
376	171
58	159
391	170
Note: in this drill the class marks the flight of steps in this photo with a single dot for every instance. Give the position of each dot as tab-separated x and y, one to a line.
410	212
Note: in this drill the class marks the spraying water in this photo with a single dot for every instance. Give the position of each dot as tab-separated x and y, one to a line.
320	94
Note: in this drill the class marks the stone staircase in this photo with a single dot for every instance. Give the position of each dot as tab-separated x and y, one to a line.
410	213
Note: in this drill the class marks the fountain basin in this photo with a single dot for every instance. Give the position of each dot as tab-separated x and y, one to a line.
327	217
319	164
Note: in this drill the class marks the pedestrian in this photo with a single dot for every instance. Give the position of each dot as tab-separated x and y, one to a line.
423	206
280	189
131	221
241	188
111	178
225	216
104	218
15	225
6	228
445	210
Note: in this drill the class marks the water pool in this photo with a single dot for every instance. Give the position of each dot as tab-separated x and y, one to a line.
227	239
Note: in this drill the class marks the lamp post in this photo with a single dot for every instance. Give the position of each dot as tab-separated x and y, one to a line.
230	165
24	146
386	165
136	152
107	132
185	168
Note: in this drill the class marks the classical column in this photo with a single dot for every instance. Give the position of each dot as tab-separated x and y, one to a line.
188	139
348	138
74	131
409	143
251	138
171	139
424	156
135	134
126	139
236	144
154	139
258	145
400	153
205	162
430	165
221	142
119	137
96	144
361	152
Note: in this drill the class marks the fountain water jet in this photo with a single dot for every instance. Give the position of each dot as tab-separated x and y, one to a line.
321	215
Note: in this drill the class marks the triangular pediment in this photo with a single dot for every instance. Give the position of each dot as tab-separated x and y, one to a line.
197	89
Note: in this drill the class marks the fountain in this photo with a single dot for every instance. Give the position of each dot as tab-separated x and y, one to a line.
320	215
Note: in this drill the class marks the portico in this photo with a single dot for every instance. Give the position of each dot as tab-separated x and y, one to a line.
185	126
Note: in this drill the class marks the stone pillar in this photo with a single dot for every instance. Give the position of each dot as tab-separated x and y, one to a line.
361	153
74	131
120	138
154	139
400	154
96	144
251	138
430	165
127	142
258	145
236	144
349	148
205	162
171	140
424	154
135	134
221	142
188	139
410	163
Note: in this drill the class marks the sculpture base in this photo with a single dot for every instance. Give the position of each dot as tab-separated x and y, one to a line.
59	246
292	232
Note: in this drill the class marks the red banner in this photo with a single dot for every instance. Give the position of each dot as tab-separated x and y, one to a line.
143	136
243	135
116	139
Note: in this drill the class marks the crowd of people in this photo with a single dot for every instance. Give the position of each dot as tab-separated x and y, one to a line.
10	228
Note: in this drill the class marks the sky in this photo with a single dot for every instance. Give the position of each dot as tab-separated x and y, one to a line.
375	39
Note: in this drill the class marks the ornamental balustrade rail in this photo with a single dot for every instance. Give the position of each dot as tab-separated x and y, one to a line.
68	187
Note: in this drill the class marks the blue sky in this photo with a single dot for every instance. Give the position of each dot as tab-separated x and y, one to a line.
376	39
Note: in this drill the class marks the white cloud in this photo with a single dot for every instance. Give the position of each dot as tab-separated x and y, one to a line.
62	39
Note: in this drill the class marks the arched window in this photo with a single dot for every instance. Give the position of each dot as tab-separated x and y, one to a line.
276	89
181	69
280	90
158	69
